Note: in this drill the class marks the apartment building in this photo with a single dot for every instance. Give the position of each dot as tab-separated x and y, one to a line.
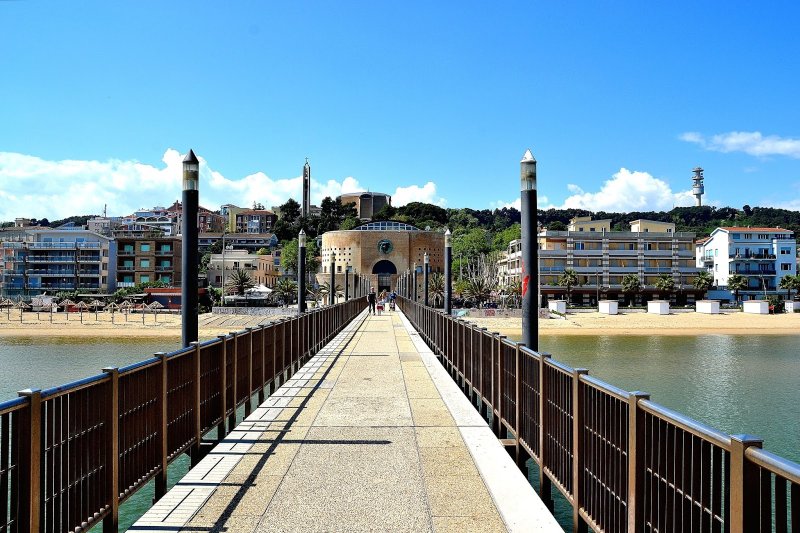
146	259
762	255
252	242
45	260
602	257
228	262
251	221
268	270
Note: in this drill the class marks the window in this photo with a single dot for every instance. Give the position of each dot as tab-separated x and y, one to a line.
144	263
145	247
748	235
144	279
786	251
579	246
763	236
715	252
736	236
591	229
786	266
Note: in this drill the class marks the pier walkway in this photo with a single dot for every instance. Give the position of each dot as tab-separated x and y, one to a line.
370	435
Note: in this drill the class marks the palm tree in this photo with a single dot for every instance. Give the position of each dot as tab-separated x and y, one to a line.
513	290
789	282
316	294
478	289
631	285
703	281
568	280
736	283
240	281
286	290
436	288
665	283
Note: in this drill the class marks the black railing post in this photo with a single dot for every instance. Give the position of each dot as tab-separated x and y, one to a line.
198	419
223	387
578	458
234	381
247	407
545	485
30	462
111	522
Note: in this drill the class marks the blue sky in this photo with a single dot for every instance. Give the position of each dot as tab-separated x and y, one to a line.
426	101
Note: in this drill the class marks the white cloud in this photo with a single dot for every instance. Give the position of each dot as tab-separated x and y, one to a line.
749	142
38	188
415	193
628	191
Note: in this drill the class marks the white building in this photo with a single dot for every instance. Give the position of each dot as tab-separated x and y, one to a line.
230	261
762	255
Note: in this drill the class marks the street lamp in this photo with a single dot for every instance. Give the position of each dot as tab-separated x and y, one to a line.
223	264
347	282
426	262
191	203
301	272
332	290
448	275
530	253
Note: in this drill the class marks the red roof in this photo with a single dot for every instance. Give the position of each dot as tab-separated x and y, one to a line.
701	241
774	230
255	212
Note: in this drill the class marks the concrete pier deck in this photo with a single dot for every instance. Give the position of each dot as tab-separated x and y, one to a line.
370	435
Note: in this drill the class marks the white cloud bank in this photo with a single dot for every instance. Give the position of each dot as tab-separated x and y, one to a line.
37	188
749	142
624	191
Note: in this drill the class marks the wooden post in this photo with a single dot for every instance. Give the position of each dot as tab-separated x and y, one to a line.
578	458
30	462
263	378
111	522
247	403
545	486
198	422
234	382
223	396
161	476
636	454
500	386
744	485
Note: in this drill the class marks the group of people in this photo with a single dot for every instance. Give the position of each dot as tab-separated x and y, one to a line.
377	303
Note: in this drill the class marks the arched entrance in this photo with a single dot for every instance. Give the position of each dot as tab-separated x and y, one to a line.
384	269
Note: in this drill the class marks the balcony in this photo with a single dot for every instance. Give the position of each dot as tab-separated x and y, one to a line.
51	272
126	253
89	259
51	246
627	269
126	268
596	252
165	252
749	257
551	269
168	268
50	259
708	260
771	272
658	253
623	252
88	274
663	270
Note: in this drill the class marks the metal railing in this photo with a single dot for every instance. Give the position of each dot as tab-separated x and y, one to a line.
624	463
70	455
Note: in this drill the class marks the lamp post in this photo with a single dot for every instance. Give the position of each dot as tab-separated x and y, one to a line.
301	272
346	282
332	291
223	265
530	255
191	203
414	276
426	266
448	275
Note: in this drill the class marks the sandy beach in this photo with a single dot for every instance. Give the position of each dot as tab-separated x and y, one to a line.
732	323
161	325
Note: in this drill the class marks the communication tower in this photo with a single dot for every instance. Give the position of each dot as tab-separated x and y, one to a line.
697	186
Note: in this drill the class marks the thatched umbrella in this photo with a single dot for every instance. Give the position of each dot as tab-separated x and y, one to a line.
155	306
97	304
126	306
45	307
113	307
8	304
21	306
82	305
65	304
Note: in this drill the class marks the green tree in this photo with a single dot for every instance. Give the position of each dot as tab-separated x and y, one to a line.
349	222
290	210
436	288
703	281
557	225
503	237
568	280
665	284
262	251
289	253
285	290
472	243
736	283
239	281
789	282
631	286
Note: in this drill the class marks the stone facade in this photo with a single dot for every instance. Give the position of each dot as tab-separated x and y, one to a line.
380	251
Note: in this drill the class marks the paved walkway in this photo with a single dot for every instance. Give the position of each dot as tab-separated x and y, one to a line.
371	435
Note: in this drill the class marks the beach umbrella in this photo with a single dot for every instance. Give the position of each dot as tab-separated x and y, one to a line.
21	306
65	304
8	304
82	305
113	307
97	304
45	307
125	306
155	306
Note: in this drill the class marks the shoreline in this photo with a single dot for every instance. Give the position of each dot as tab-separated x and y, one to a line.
641	324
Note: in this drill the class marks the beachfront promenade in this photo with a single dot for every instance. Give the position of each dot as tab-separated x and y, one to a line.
371	434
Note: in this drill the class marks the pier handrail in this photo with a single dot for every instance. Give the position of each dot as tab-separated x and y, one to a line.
624	462
71	454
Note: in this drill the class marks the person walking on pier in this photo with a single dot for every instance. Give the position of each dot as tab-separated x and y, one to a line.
371	300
